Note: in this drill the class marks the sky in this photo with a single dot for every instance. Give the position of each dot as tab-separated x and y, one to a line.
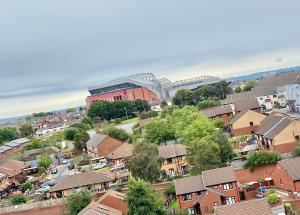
51	51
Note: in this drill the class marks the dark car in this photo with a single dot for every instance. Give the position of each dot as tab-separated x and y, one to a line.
54	170
71	166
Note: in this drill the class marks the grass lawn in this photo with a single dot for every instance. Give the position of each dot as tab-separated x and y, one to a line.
136	120
103	170
175	204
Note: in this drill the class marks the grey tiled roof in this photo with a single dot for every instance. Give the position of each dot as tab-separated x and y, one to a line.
292	167
95	140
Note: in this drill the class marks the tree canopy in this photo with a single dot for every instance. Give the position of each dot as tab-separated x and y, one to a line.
145	163
78	200
159	130
261	158
26	130
208	103
142	199
8	134
44	161
70	133
117	133
183	97
249	85
80	140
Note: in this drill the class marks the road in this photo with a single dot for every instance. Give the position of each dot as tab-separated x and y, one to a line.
62	171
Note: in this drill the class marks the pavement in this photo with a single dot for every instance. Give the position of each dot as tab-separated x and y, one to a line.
62	172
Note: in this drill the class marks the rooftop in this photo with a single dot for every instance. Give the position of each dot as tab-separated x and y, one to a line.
189	185
218	176
123	151
95	140
291	166
216	111
244	105
172	150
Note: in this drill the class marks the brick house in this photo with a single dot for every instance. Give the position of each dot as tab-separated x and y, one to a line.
245	123
12	147
200	194
286	176
100	145
247	104
95	182
279	133
224	112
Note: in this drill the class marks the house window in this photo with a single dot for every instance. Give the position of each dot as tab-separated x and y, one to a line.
228	114
216	187
191	211
169	160
179	158
186	197
230	200
251	123
227	186
297	138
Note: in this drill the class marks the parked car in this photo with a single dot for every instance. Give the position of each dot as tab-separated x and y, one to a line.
99	166
54	170
117	167
71	166
43	189
49	182
64	161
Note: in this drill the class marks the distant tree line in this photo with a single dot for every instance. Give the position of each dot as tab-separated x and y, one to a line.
10	133
248	86
208	92
104	110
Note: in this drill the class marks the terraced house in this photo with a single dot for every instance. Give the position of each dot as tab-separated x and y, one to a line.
200	194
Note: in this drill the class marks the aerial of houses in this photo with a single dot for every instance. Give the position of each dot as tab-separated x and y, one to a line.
12	147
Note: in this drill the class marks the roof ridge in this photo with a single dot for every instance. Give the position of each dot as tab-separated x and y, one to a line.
276	124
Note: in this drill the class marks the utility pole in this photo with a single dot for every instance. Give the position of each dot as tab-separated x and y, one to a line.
126	112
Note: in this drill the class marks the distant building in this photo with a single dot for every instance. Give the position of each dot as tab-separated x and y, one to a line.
292	94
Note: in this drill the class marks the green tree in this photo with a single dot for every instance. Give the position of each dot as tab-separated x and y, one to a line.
249	85
273	198
44	161
219	123
81	126
26	186
70	110
222	89
261	158
117	133
78	200
183	97
163	104
8	134
18	199
208	103
88	121
37	143
204	93
168	111
226	149
70	133
170	190
203	154
80	140
159	131
145	163
238	89
26	130
142	199
296	152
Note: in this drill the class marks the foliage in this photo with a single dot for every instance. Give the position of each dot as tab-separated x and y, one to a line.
204	93
117	133
70	110
81	126
163	104
88	121
219	123
226	149
105	110
26	130
145	163
296	152
249	85
44	161
271	190
70	133
8	134
26	186
222	89
37	143
78	200
170	190
159	131
208	103
80	140
261	158
183	97
182	212
81	160
142	199
272	198
288	206
18	199
149	114
238	89
203	154
167	111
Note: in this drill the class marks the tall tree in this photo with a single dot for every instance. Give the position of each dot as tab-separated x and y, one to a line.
145	163
184	97
8	134
249	85
117	133
204	93
26	130
142	199
44	161
78	200
159	130
203	154
222	89
80	140
70	133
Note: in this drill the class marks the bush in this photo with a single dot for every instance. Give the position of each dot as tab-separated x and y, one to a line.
272	198
208	103
25	187
271	190
170	190
261	158
77	201
70	133
18	199
288	206
116	133
150	114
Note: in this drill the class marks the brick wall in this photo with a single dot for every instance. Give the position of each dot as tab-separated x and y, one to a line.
284	148
282	180
244	131
245	175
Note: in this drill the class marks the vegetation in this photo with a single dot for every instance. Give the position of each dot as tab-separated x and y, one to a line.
184	97
117	133
159	131
26	130
142	199
18	199
78	200
170	190
44	162
8	134
208	103
81	126
80	140
145	163
26	186
149	114
249	85
105	110
70	133
37	143
238	89
261	158
296	152
272	198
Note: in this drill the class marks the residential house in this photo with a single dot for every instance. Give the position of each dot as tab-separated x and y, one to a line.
245	105
110	202
12	147
119	154
292	94
4	185
245	123
100	145
175	160
224	112
200	194
5	151
95	182
286	176
279	133
251	207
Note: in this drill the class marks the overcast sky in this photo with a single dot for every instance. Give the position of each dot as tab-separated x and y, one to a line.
51	51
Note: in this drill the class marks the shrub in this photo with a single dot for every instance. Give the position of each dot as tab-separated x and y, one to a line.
288	206
272	198
270	191
18	199
149	114
77	201
116	133
26	186
261	158
170	190
70	133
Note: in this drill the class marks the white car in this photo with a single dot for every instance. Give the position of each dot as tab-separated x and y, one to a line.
117	167
99	166
64	161
43	189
